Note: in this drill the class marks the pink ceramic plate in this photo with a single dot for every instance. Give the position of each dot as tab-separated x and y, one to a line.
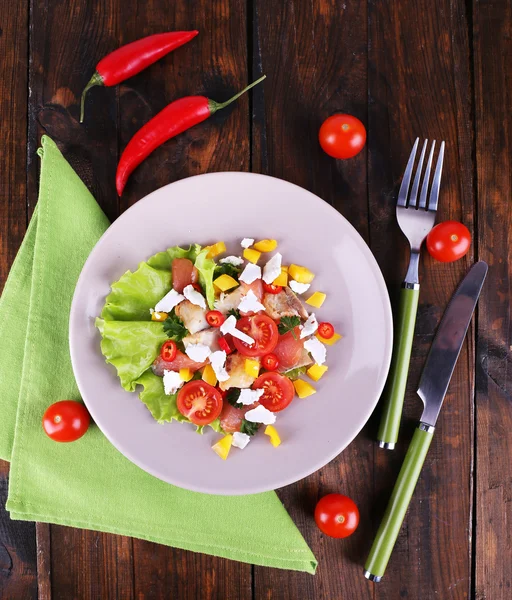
229	207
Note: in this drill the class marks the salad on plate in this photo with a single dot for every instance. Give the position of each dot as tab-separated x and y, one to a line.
215	340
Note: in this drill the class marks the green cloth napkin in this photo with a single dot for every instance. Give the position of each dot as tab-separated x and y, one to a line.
88	483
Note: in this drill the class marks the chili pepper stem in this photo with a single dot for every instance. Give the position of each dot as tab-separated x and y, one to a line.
215	106
96	79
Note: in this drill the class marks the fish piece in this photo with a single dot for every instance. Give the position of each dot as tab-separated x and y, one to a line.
304	360
235	366
284	304
193	317
182	361
208	337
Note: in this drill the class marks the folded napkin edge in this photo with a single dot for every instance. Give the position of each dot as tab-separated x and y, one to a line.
308	565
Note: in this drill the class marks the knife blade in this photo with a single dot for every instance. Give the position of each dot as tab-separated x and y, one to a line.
448	341
434	382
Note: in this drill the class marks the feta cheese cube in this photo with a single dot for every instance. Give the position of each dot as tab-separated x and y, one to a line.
198	352
247	242
240	440
310	326
260	414
250	303
218	362
169	301
317	350
236	261
250	273
248	396
299	288
272	269
172	382
194	297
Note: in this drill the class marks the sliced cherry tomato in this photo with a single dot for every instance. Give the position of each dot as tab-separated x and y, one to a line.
224	345
342	136
66	421
215	318
270	288
289	349
263	331
183	273
337	516
200	402
278	391
448	241
168	351
326	330
197	287
270	362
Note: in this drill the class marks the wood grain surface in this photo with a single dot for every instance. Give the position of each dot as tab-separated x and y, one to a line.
406	68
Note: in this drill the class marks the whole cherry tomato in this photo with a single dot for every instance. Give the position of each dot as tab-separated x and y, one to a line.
342	136
66	421
337	516
448	241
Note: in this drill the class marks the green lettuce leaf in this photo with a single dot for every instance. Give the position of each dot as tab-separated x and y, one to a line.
135	293
215	425
206	268
131	346
162	407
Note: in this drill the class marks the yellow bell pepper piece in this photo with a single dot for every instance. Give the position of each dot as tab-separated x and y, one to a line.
281	279
223	446
301	274
209	375
252	367
159	316
284	268
266	245
316	372
252	255
271	431
303	388
186	374
225	282
330	341
215	249
316	299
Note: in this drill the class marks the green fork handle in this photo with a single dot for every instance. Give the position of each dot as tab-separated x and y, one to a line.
397	378
398	503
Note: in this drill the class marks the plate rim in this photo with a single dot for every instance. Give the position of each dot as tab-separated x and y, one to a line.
371	261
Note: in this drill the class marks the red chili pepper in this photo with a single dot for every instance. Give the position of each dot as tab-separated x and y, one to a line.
169	122
130	59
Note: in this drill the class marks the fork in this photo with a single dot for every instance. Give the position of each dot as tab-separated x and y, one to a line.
415	219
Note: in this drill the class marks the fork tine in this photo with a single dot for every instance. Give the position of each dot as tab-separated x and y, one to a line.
416	182
436	182
404	188
424	187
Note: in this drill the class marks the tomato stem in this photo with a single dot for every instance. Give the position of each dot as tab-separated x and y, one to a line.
215	106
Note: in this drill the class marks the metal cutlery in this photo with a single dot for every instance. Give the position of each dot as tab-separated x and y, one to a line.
433	386
416	217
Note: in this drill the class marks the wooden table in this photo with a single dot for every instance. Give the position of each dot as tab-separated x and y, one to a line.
438	70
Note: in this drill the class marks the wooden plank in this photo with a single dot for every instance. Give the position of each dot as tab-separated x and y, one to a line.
214	64
44	556
314	55
66	42
18	575
492	30
419	85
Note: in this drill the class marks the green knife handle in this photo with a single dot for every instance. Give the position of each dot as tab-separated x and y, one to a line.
398	503
397	378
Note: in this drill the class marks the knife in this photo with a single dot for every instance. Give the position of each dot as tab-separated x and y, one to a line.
437	372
